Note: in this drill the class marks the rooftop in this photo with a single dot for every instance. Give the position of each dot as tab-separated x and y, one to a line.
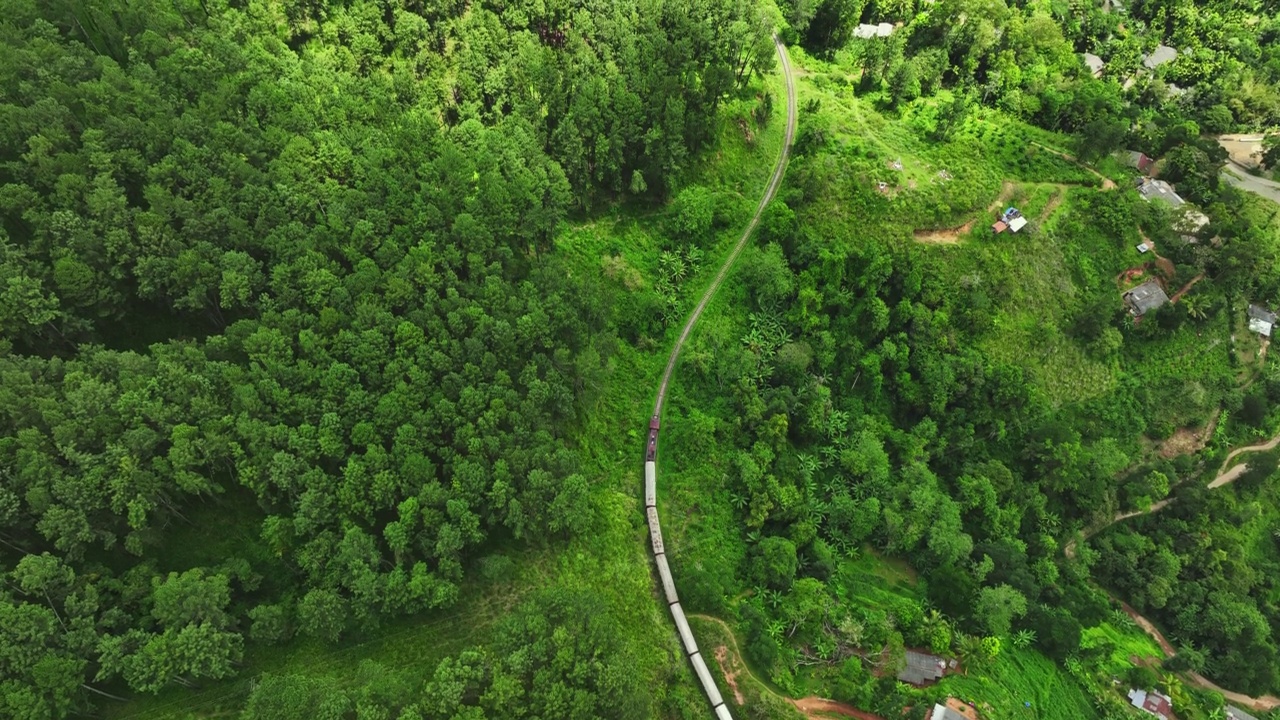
1151	701
1159	190
1261	320
1135	159
1161	55
922	668
1235	713
1146	297
866	31
942	712
1257	312
1094	63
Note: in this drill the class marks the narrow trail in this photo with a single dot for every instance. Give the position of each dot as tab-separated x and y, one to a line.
692	652
1224	477
812	706
1107	183
951	236
770	190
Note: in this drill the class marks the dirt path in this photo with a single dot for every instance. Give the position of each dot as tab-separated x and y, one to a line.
813	707
1107	183
1259	447
1225	477
1178	295
1054	203
1264	703
770	190
951	236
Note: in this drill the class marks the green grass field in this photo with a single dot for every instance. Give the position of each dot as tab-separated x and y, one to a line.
1022	684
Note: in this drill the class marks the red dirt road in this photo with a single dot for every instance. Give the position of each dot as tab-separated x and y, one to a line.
811	706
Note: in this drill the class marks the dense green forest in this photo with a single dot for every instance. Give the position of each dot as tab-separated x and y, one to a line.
329	325
296	257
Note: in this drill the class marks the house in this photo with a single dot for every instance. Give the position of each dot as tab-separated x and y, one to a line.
1151	701
942	712
865	31
1017	223
1235	713
954	709
1143	247
1137	160
1161	55
1261	320
1159	190
1094	63
999	227
1146	297
922	668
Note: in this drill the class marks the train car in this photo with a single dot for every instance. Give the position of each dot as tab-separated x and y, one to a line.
668	583
651	452
682	624
704	676
722	713
653	424
655	531
650	484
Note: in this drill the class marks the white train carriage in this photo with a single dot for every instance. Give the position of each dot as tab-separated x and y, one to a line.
722	713
686	635
655	531
650	484
704	676
668	583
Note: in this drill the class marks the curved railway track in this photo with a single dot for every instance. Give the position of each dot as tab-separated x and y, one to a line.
650	466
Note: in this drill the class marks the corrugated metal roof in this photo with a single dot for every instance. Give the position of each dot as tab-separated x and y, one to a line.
922	668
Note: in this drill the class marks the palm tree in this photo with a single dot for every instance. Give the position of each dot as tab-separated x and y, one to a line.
1194	306
1023	639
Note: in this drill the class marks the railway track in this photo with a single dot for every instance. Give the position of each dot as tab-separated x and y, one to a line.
687	640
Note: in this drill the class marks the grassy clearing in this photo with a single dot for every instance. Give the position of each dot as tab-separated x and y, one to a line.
1118	644
1022	684
724	658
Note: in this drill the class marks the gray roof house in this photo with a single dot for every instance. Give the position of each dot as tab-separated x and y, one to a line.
1235	713
1161	55
1261	320
1095	64
1159	190
922	668
1146	297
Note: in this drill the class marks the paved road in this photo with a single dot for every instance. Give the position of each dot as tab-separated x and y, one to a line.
1235	174
769	192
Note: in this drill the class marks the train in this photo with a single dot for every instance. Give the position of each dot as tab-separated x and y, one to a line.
668	582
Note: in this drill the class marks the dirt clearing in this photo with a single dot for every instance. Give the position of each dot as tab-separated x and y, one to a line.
817	708
951	236
730	672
